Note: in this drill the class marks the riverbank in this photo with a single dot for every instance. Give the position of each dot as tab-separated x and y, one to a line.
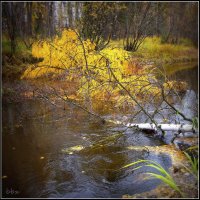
153	52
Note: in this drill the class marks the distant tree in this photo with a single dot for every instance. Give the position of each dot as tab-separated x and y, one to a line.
190	22
29	18
137	21
98	19
170	32
9	12
77	10
179	19
50	16
70	14
101	21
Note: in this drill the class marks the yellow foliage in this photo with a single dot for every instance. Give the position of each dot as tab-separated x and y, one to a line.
62	53
79	59
175	85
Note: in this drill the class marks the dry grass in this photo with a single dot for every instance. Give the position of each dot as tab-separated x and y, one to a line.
152	50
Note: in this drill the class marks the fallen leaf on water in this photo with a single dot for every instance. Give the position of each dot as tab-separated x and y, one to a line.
70	150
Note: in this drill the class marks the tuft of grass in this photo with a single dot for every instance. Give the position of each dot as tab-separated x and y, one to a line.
192	148
193	163
152	49
195	122
186	42
162	174
20	47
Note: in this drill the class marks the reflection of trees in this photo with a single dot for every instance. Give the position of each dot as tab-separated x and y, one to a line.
191	79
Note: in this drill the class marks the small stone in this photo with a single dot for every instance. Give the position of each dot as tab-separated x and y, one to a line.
41	158
13	148
70	153
83	172
187	174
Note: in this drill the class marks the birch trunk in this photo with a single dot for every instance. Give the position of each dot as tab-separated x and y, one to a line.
164	127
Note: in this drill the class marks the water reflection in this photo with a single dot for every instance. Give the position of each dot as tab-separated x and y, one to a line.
35	165
187	72
34	135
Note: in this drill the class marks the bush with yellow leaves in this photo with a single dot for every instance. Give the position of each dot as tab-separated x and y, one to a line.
178	86
79	61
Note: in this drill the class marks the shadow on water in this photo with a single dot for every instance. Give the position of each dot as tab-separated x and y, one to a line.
35	166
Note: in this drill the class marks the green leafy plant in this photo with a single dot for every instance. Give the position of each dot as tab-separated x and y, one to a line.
192	148
194	165
195	122
162	174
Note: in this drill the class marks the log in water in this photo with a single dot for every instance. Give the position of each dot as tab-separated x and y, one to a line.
164	127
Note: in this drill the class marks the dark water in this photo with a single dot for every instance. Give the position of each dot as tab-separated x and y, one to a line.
89	173
188	73
35	165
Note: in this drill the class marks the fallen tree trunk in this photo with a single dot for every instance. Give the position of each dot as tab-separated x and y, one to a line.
164	127
180	128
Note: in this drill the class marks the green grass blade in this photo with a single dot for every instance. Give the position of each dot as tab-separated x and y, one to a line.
136	168
192	147
133	163
193	163
160	169
170	183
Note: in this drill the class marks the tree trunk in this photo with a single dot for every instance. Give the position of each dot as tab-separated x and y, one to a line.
163	127
70	14
50	19
77	10
11	24
29	18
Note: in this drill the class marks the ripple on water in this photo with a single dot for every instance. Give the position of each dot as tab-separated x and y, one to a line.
61	175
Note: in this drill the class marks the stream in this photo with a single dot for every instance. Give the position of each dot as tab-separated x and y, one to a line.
51	153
